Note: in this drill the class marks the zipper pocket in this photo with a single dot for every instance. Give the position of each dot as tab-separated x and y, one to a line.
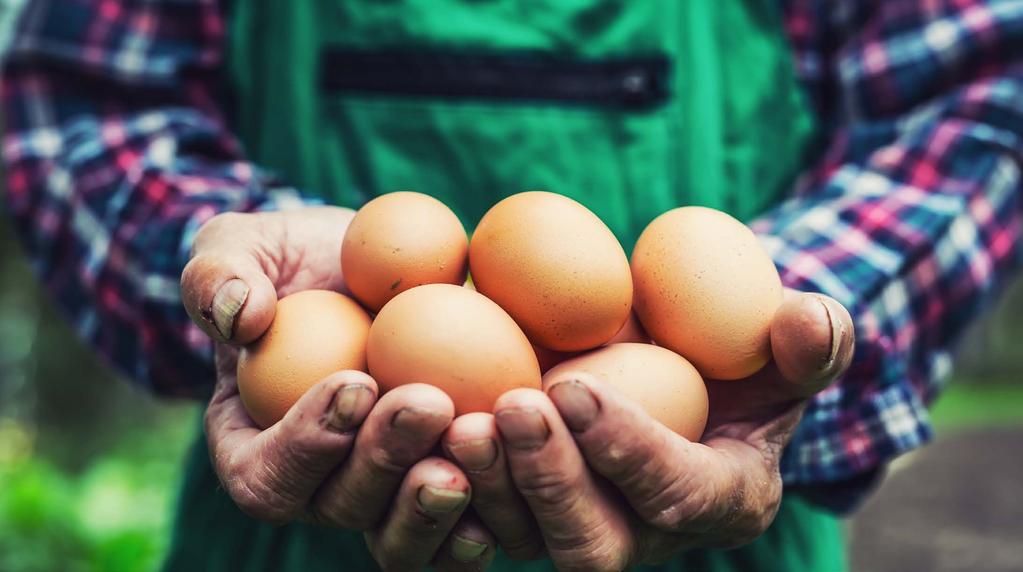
634	83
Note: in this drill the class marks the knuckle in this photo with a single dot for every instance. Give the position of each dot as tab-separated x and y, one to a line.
260	490
596	555
673	511
525	547
337	507
591	545
252	500
548	488
222	221
283	464
384	462
622	458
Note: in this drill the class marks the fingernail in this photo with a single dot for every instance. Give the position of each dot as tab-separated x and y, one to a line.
226	303
474	454
522	428
837	335
465	550
438	500
576	404
351	406
417	420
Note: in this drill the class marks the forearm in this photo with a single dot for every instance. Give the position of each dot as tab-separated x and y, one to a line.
911	219
110	172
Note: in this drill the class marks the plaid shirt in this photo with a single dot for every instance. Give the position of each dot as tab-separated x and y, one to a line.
117	150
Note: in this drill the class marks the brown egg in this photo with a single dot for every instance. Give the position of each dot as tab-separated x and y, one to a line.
632	331
555	267
314	334
550	358
706	289
662	382
399	241
453	338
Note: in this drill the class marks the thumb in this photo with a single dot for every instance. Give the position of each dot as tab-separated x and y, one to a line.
224	287
812	341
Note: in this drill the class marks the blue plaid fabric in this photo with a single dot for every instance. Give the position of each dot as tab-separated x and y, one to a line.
117	150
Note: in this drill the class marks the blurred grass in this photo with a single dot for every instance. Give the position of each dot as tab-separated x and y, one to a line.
89	465
971	403
111	514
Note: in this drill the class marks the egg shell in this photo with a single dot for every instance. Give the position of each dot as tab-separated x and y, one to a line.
555	268
399	241
706	289
550	358
632	331
662	382
455	339
314	333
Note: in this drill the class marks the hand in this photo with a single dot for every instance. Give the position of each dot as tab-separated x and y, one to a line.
341	457
608	487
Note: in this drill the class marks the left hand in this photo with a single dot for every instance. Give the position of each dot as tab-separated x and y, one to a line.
607	487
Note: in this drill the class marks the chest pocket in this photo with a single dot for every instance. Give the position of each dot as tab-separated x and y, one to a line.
620	105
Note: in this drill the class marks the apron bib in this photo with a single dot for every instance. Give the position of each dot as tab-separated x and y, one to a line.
631	108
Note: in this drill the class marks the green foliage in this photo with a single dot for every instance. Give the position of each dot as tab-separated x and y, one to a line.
979	403
114	515
88	465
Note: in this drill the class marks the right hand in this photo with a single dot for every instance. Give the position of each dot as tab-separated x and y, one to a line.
341	457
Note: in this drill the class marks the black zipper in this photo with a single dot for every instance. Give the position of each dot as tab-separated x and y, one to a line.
633	83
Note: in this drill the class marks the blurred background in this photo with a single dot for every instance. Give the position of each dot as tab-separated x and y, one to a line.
89	465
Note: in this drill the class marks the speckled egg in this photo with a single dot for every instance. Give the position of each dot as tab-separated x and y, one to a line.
706	289
455	339
555	267
399	241
662	382
314	333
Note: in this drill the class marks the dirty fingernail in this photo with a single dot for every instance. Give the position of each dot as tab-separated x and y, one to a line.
465	550
837	317
438	500
226	304
575	402
351	406
522	428
474	454
418	420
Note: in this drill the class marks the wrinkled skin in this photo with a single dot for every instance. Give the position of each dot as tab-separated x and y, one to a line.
341	457
573	471
603	486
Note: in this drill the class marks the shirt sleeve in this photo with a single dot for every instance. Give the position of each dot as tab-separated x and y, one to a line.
910	217
115	152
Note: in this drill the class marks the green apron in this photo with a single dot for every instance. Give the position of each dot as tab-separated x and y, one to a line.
631	108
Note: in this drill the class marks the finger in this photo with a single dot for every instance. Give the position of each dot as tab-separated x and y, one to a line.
272	474
672	484
242	262
428	504
811	341
469	547
402	429
581	525
225	287
472	441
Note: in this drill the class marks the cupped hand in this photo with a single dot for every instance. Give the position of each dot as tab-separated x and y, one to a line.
341	456
604	486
